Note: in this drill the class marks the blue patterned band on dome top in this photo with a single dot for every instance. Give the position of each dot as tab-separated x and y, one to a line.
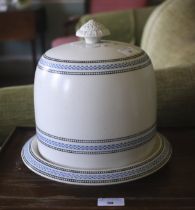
93	67
104	146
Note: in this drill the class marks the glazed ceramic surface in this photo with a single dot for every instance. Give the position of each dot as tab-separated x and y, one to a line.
95	106
92	98
107	153
157	158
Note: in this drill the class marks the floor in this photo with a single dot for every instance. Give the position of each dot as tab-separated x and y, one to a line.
16	72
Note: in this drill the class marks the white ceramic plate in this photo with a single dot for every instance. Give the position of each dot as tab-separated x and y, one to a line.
35	162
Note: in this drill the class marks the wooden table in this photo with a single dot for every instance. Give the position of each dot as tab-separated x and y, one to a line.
171	188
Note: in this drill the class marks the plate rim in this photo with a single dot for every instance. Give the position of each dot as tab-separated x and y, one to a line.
165	146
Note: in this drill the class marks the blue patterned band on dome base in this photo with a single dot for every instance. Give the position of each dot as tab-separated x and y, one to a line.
95	177
102	146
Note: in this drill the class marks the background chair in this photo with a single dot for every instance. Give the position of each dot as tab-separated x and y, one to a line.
92	7
169	40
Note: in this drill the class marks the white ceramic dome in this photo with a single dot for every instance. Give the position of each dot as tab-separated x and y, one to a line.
95	111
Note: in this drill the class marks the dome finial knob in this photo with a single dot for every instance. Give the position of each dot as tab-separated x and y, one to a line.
92	31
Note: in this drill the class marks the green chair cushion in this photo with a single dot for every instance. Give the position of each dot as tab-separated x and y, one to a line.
16	108
168	36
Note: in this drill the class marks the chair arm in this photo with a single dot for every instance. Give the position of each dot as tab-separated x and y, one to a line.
16	108
176	96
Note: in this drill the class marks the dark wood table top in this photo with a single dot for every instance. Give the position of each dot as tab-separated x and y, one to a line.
172	187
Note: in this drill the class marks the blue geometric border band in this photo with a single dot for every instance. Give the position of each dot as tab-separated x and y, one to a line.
95	61
67	175
94	68
104	146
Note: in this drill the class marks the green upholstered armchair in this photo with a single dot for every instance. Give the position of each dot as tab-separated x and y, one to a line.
169	40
